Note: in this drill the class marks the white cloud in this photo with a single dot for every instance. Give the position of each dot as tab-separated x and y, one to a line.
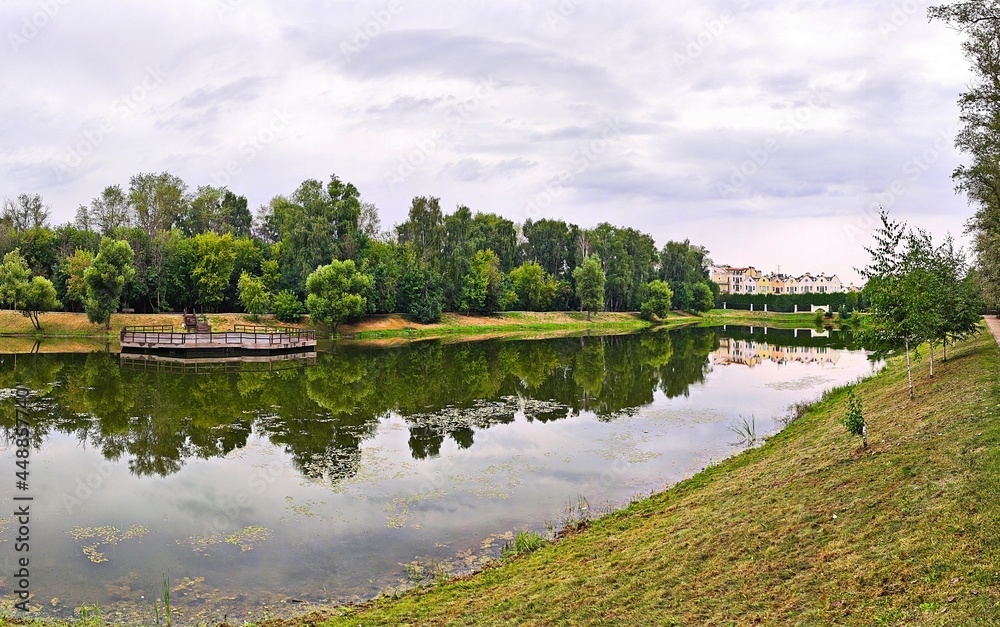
697	91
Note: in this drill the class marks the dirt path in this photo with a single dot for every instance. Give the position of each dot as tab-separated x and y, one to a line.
994	324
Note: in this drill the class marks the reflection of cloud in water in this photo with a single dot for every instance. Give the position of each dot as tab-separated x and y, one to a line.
804	383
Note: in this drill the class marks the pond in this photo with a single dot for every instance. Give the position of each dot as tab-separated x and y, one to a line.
260	488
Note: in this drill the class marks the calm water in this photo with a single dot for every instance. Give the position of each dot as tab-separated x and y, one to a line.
260	488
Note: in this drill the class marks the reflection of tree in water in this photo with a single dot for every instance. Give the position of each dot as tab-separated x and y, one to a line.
689	363
323	414
428	430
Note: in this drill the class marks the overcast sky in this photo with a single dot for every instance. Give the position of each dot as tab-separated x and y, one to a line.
766	131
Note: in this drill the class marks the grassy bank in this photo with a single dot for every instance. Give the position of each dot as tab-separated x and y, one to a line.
509	322
75	325
807	529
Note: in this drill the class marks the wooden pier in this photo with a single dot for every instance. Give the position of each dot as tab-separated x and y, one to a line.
242	340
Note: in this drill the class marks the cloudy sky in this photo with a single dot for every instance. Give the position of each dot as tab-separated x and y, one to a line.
767	131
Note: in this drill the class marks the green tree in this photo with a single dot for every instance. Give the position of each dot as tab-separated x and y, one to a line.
29	295
420	290
534	289
702	298
482	288
316	225
979	136
903	290
254	297
960	300
75	267
590	285
287	306
105	279
336	293
553	244
215	260
110	211
14	274
25	212
36	296
655	297
424	228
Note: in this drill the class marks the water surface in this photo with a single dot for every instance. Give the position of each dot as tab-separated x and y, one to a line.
260	488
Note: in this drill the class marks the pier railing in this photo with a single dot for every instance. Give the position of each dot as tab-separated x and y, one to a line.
285	331
244	335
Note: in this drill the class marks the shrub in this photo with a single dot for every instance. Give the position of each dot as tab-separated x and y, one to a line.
854	418
287	306
656	297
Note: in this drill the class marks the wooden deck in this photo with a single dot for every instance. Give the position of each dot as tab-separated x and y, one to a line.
243	339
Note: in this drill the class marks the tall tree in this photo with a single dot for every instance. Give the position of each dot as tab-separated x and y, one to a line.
75	267
553	244
83	219
26	212
215	260
589	278
111	211
105	279
157	200
482	288
979	136
424	227
317	224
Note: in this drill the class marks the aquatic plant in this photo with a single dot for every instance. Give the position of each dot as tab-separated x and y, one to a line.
524	542
746	430
166	598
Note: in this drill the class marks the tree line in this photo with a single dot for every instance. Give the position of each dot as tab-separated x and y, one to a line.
919	293
155	245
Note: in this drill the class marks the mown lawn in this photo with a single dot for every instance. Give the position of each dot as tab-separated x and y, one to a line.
808	529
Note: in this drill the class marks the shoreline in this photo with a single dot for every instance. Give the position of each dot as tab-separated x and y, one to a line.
68	326
565	578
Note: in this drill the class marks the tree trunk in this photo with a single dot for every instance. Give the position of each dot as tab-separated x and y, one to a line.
588	315
931	344
944	347
909	373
